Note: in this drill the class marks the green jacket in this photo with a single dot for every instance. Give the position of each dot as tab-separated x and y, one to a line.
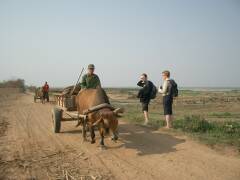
90	81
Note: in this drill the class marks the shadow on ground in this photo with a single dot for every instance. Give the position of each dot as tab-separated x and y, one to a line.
147	141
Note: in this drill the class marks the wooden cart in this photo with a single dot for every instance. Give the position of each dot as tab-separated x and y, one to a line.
66	110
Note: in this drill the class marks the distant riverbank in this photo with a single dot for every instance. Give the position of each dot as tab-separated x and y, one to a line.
211	88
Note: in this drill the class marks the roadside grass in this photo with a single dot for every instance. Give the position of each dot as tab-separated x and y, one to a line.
189	93
224	115
211	132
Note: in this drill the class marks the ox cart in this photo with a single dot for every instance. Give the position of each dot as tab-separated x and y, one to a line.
38	95
66	110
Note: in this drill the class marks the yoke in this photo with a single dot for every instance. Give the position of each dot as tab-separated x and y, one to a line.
98	107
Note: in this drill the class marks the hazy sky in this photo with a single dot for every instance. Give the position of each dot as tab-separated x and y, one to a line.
51	40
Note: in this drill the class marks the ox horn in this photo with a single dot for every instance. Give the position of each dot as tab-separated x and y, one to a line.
118	111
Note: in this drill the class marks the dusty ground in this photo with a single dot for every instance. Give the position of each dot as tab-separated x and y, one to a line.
30	150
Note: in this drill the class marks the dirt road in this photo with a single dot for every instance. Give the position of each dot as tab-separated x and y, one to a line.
30	150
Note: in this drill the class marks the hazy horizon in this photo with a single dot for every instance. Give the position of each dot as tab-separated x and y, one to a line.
198	41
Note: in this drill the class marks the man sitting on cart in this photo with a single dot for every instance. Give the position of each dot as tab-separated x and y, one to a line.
90	80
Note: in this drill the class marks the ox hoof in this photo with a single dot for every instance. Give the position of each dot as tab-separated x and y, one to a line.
93	141
84	140
103	147
114	139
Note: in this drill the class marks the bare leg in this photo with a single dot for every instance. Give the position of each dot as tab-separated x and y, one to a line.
171	120
146	116
168	121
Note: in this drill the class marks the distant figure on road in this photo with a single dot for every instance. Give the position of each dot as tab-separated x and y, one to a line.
144	95
90	80
45	89
169	90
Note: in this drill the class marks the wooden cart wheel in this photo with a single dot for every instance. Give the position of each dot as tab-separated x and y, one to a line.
57	118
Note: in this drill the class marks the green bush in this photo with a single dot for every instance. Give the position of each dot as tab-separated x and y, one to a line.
229	128
193	124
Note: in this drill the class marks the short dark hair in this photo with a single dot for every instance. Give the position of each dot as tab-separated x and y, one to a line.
145	75
167	73
91	66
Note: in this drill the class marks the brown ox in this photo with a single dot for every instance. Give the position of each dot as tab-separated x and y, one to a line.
105	118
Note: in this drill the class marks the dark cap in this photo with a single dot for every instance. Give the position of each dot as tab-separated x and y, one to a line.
91	66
